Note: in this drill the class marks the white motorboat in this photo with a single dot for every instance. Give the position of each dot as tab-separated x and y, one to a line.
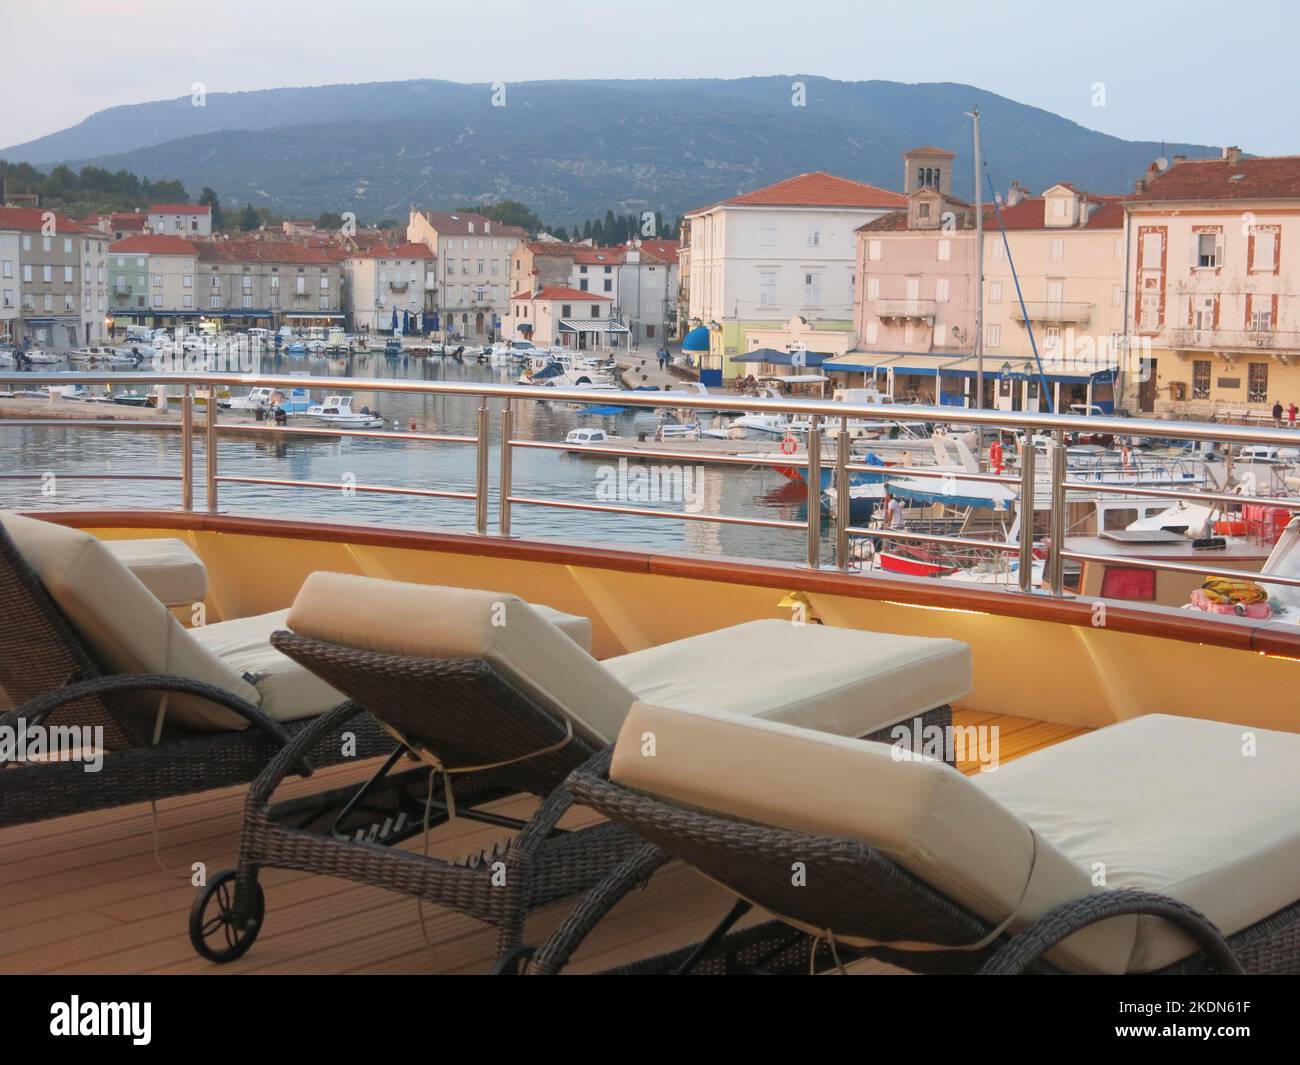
337	410
40	357
580	439
257	399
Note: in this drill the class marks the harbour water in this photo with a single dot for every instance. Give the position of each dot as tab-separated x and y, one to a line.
756	492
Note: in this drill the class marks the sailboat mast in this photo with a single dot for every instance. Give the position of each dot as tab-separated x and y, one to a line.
979	265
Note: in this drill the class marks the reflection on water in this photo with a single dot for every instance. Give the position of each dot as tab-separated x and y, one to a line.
734	491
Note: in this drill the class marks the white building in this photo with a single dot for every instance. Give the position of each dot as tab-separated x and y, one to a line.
762	258
567	317
383	279
10	284
473	254
647	289
188	220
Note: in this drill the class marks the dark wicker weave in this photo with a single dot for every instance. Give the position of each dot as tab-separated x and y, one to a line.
51	676
856	891
468	715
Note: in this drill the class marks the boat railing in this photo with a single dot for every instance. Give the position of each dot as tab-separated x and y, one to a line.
820	414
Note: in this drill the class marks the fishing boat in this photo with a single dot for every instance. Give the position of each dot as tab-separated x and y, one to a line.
255	399
769	690
337	410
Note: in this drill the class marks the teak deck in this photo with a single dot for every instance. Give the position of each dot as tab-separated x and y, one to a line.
85	894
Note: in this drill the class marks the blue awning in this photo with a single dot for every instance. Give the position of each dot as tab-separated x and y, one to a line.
773	357
696	341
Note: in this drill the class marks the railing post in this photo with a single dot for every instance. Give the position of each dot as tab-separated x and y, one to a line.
1055	560
842	496
814	492
210	445
506	487
481	474
187	450
1026	575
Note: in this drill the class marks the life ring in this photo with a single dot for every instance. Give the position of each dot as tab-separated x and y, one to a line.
995	456
789	445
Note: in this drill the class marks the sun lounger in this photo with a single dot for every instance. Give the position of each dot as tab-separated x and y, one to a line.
1162	844
487	690
85	645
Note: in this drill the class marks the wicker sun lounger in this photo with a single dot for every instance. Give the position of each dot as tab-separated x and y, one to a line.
497	700
86	650
915	865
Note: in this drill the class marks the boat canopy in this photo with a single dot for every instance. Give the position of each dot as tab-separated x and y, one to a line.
954	492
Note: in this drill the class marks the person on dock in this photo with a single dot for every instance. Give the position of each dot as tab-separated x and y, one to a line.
1291	411
1277	414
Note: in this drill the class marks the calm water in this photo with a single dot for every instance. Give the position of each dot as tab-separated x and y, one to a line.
544	474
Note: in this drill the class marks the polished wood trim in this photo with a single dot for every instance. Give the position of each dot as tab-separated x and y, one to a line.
1143	620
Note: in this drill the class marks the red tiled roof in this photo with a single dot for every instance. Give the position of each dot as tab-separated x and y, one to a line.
154	245
665	251
560	292
33	219
930	149
818	189
180	208
1029	213
457	223
262	251
127	220
409	250
1265	178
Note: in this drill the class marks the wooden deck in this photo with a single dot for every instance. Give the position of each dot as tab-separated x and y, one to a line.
85	894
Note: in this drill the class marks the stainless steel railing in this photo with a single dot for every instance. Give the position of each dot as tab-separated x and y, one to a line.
819	413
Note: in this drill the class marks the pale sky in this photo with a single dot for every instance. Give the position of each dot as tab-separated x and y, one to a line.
1195	70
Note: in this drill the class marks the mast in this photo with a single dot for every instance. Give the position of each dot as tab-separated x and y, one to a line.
974	116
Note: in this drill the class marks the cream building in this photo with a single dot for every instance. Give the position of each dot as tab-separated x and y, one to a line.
383	279
153	280
1211	252
787	250
474	256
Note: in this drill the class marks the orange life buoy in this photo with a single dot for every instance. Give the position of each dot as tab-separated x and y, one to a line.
789	445
995	456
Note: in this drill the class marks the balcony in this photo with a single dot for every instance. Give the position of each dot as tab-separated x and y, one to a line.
1052	311
907	310
399	286
122	293
1235	340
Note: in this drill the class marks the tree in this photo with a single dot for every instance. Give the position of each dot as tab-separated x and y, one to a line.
508	213
209	198
329	220
249	219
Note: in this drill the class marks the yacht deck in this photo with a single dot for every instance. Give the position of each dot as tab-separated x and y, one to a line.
84	894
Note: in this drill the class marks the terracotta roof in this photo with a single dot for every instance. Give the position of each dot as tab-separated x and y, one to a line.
1029	213
262	251
154	245
930	149
818	189
127	220
665	251
1265	178
457	223
408	250
32	219
180	208
560	292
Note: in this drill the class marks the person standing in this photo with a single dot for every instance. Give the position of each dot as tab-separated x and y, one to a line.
1291	411
1277	414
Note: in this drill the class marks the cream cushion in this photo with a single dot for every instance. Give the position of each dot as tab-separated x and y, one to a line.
125	627
167	567
843	681
429	621
1172	805
286	691
922	814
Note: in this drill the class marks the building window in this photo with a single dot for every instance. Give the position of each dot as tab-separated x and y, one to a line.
995	291
1264	254
566	310
1201	379
324	284
157	280
812	290
767	288
47	273
582	269
324	303
1116	295
595	311
993	336
1257	383
873	331
941	290
248	301
1058	245
873	250
1207	250
609	285
582	284
940	334
945	250
923	211
1261	320
814	237
873	288
767	235
187	300
157	300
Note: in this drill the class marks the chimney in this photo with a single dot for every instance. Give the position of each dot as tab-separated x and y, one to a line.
1178	159
487	228
471	227
1139	186
1015	194
1232	154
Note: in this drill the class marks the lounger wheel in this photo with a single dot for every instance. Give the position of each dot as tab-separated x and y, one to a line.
215	932
513	962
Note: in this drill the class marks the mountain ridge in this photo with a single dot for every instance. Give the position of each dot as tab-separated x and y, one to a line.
568	148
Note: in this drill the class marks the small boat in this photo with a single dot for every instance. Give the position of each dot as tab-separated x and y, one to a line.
133	399
578	439
39	357
298	347
337	410
255	400
678	431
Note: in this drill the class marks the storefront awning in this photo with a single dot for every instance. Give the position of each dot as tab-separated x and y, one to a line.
947	365
594	325
319	314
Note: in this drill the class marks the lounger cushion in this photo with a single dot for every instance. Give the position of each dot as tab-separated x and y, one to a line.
1174	805
123	625
167	567
923	814
843	681
286	690
429	621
